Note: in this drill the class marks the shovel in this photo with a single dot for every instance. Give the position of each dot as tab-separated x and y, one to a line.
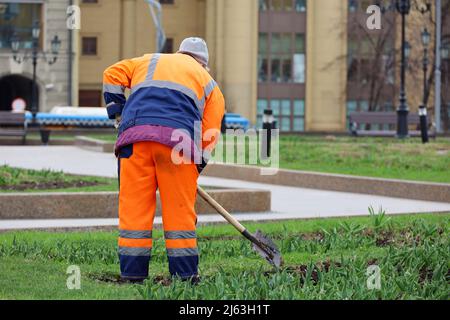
264	246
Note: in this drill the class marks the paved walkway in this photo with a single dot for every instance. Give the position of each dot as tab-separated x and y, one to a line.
287	202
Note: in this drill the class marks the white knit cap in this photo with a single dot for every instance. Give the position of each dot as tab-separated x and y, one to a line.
197	48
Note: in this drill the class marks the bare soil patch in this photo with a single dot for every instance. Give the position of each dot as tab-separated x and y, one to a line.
33	185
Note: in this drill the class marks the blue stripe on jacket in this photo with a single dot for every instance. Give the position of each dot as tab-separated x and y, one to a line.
161	107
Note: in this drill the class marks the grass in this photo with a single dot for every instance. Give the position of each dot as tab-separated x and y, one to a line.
71	137
324	259
53	136
373	157
105	137
25	180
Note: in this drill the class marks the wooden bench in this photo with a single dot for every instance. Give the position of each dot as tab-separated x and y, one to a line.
13	125
361	124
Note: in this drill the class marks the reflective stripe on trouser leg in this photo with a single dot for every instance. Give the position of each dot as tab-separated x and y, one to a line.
137	203
182	253
183	262
134	254
134	262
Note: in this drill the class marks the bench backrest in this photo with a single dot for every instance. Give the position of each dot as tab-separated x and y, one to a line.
12	119
383	118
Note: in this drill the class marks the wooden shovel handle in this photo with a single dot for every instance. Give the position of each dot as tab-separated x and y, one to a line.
224	213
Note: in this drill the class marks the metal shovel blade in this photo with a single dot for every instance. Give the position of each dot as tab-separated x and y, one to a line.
267	249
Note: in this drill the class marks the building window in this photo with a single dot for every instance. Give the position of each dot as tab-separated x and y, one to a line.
90	98
289	114
300	5
263	67
90	1
16	19
299	116
352	5
284	53
299	59
263	5
263	61
89	46
276	5
167	1
283	5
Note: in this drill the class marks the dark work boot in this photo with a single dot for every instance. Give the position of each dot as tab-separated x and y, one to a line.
195	280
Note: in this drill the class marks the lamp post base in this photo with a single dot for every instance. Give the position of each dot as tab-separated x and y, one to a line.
402	123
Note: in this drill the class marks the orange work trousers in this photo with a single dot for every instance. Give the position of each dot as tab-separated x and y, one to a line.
145	167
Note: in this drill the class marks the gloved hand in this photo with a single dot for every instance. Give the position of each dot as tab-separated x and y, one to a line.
118	120
115	112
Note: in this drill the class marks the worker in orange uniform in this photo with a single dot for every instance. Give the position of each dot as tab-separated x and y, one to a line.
173	99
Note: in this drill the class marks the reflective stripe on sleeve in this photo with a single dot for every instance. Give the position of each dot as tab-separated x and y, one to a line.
209	88
112	88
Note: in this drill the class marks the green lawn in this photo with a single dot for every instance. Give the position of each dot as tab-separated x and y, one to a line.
111	138
373	157
71	136
324	259
53	136
24	180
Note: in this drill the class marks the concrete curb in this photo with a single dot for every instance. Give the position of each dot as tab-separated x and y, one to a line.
94	144
416	190
105	204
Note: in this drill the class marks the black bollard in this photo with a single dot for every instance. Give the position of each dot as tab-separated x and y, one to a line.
268	125
423	123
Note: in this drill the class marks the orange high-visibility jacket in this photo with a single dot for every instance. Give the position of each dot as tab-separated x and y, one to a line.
168	92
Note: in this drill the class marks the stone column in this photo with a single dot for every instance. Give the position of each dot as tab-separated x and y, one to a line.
128	43
233	40
326	71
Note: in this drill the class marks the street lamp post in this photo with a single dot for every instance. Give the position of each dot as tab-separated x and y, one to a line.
403	7
445	55
423	108
34	57
35	54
